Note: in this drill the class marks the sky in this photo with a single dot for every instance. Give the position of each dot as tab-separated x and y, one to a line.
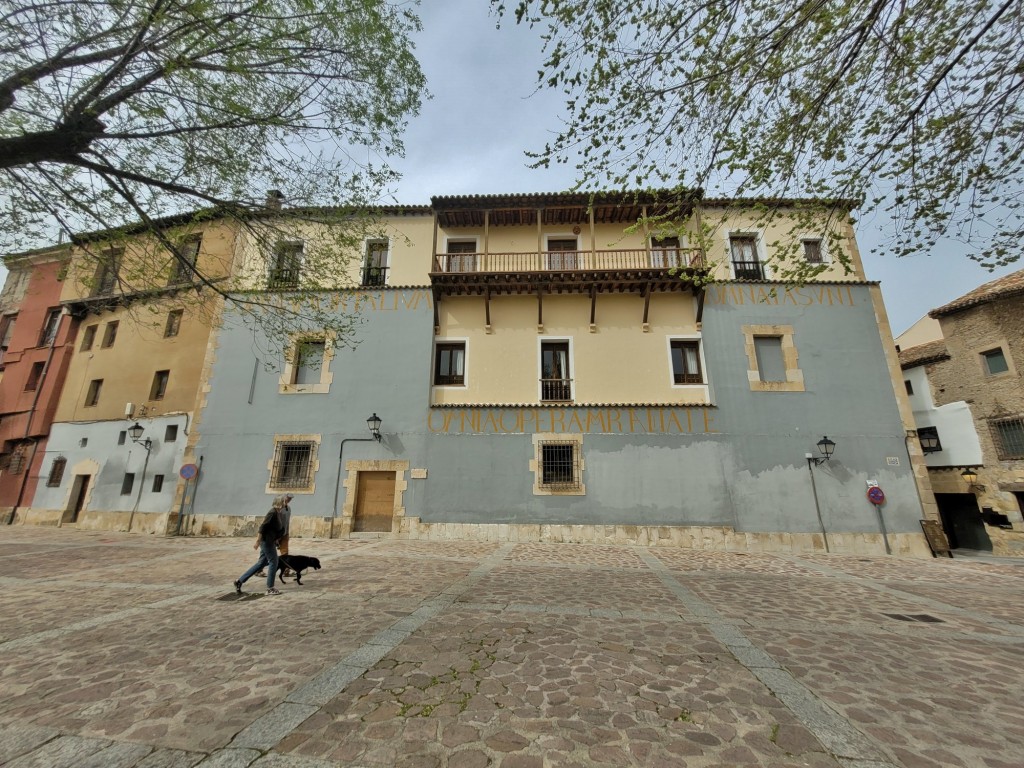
470	138
485	112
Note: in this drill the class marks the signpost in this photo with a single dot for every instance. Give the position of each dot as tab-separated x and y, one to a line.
877	497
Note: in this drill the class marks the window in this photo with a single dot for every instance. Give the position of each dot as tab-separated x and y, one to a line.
293	464
158	483
555	381
812	252
6	331
927	436
171	433
159	388
745	262
462	256
563	254
686	362
173	324
995	361
56	472
109	334
286	265
309	361
1008	436
121	437
49	334
127	483
909	386
88	337
184	262
93	395
450	364
34	376
559	468
770	365
375	270
665	253
16	461
107	272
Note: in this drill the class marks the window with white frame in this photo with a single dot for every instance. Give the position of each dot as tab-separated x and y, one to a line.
665	253
814	251
555	376
686	368
461	256
563	254
450	364
375	265
746	263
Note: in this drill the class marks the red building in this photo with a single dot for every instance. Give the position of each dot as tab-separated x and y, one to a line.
36	343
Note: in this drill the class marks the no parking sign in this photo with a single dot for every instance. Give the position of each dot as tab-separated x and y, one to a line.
876	496
188	471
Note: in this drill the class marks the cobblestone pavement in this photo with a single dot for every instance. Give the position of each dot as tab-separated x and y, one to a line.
123	651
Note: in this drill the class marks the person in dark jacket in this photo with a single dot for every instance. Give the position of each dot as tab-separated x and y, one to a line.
272	529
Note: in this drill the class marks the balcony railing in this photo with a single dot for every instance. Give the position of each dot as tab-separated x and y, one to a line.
570	261
748	270
556	390
285	277
375	276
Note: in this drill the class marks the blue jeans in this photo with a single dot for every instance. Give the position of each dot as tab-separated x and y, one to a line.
268	560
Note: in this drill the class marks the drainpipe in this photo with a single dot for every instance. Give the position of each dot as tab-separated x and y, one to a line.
337	482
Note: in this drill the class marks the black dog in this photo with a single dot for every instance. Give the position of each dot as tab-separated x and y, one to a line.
297	563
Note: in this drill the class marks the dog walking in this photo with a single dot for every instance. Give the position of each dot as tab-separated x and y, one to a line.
272	530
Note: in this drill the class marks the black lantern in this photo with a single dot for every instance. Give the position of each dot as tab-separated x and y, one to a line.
970	477
135	431
374	425
826	447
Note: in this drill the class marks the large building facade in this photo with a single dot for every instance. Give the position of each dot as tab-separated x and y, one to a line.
556	367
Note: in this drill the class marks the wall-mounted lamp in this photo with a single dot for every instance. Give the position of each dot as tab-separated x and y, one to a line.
971	478
826	447
135	432
374	424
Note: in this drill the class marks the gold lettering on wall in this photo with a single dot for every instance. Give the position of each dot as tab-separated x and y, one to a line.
797	296
571	421
386	301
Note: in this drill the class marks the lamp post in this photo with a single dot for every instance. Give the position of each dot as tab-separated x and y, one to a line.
826	447
373	424
135	433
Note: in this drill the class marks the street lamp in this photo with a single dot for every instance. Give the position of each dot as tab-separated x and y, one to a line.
971	478
135	432
374	425
826	447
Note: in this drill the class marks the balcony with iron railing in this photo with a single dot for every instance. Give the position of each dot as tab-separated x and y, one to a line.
556	390
375	276
748	270
283	277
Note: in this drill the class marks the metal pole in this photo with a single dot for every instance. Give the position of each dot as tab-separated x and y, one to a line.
817	506
881	525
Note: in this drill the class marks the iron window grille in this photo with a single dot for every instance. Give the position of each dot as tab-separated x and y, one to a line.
1008	436
293	465
56	475
560	465
686	362
745	262
812	252
450	365
287	265
926	432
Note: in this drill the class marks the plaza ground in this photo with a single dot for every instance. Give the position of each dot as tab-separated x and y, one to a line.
132	651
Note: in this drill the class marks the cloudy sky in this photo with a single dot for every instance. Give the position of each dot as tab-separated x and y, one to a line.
471	137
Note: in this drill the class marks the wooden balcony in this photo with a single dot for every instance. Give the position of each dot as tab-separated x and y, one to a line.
607	271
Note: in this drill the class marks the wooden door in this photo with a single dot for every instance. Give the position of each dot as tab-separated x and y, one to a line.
375	502
78	493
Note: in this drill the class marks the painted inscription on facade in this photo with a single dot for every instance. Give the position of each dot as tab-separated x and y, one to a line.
386	301
613	421
778	295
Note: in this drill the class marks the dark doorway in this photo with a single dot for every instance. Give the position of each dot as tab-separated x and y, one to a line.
79	492
961	519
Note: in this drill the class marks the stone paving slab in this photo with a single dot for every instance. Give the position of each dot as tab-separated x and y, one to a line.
474	654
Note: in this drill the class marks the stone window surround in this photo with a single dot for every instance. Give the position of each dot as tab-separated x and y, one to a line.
285	386
315	459
1003	346
794	376
538	438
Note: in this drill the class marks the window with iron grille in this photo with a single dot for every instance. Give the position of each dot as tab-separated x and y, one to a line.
746	265
559	465
450	365
555	378
375	269
812	252
686	362
56	472
185	260
286	265
1008	436
293	464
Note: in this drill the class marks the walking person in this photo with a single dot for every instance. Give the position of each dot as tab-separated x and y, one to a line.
271	530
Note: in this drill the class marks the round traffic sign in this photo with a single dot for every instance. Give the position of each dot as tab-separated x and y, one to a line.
188	471
876	496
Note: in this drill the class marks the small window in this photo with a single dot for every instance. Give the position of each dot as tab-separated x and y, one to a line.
770	364
184	262
309	361
121	437
450	365
375	268
49	334
34	375
93	395
555	379
293	464
173	324
159	388
16	462
83	441
995	361
559	465
1008	436
53	480
6	331
286	265
686	362
812	252
171	433
109	334
158	483
929	438
909	386
128	483
107	272
88	337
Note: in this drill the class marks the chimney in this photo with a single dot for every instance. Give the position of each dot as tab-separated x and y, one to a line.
274	199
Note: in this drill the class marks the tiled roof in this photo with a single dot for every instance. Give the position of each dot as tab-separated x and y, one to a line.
1004	287
931	352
